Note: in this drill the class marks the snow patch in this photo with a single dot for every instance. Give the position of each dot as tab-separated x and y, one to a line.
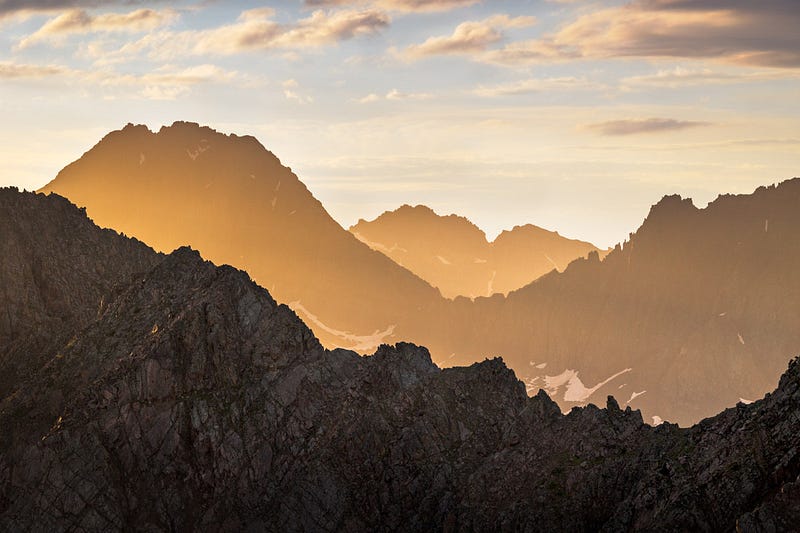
274	201
551	261
634	395
490	286
197	151
541	365
723	314
766	225
741	339
657	420
480	261
359	343
443	260
575	390
142	158
376	245
745	401
278	186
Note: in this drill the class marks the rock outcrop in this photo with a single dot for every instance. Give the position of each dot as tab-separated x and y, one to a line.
191	400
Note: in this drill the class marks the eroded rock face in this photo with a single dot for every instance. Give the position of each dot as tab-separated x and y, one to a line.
193	401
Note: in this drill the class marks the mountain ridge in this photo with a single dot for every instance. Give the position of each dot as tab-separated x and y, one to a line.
694	312
454	255
194	401
231	198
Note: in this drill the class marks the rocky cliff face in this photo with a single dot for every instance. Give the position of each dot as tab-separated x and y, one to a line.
452	254
192	400
58	272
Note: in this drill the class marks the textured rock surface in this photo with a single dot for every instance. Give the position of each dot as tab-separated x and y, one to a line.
193	401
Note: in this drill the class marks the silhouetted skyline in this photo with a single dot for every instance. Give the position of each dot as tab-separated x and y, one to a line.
573	116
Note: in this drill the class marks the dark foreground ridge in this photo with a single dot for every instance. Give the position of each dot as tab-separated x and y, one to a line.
188	399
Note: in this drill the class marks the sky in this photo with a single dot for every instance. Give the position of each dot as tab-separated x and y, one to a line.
573	115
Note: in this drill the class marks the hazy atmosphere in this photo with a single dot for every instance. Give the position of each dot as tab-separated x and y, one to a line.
575	116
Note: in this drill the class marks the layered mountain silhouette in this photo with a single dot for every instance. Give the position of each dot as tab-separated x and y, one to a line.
453	254
233	200
166	393
694	313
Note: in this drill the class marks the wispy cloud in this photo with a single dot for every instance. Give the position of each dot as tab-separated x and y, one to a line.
647	125
163	83
395	95
254	30
686	77
11	70
11	7
469	37
397	5
291	90
78	21
536	85
760	33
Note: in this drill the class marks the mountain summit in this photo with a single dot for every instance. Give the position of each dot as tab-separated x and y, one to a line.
453	254
233	200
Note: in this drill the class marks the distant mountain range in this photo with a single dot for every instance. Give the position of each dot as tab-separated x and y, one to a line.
156	393
453	254
694	313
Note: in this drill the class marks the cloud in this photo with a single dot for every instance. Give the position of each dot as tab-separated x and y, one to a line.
256	30
397	5
291	92
528	52
24	7
395	95
469	37
10	70
762	33
536	85
165	83
685	77
647	125
78	21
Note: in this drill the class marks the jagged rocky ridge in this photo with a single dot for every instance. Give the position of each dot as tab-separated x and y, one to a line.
695	312
699	309
192	400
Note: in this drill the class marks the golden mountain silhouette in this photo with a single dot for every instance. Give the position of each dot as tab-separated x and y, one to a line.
453	254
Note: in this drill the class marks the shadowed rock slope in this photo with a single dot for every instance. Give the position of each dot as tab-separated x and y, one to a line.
452	254
192	401
233	200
